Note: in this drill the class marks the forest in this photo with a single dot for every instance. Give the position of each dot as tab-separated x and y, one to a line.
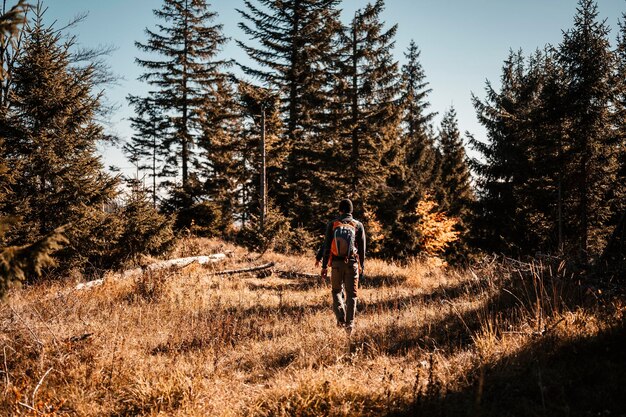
494	281
326	112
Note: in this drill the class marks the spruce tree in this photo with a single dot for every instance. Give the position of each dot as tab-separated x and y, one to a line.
17	263
144	148
185	66
414	168
455	175
498	167
369	144
51	149
455	182
614	256
420	156
587	62
219	142
293	45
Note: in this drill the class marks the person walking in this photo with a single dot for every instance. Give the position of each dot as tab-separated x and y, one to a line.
344	252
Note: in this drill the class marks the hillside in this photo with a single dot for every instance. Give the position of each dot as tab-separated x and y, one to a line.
502	338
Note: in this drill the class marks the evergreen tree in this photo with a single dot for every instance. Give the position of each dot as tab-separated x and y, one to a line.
10	40
588	63
367	116
498	169
295	48
144	148
142	230
414	169
421	156
52	147
455	181
220	121
614	256
183	72
455	176
16	263
253	102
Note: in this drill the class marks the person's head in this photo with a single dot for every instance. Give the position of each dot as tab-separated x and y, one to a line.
345	206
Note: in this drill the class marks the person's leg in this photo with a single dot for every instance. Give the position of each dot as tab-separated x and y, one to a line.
351	284
336	283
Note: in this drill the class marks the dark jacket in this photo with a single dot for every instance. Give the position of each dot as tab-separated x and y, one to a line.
359	240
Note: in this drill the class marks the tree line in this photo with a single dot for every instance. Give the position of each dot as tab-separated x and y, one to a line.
339	115
342	118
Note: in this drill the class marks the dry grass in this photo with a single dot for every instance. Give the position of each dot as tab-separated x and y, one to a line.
185	343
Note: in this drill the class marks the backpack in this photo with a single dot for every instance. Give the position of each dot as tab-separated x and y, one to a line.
344	238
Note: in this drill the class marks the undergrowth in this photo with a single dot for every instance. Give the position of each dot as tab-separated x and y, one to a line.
501	338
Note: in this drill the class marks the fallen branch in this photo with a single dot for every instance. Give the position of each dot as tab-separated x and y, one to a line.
178	263
6	369
39	385
244	270
90	284
184	262
30	408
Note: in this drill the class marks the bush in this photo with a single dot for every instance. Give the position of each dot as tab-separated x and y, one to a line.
277	235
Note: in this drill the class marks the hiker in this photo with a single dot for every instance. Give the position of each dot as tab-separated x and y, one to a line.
344	251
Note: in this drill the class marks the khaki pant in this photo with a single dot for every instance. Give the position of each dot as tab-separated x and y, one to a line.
344	278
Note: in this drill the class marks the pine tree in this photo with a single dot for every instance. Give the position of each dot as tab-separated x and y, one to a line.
455	182
144	148
587	63
498	168
11	30
455	176
52	147
614	256
417	122
294	51
184	70
253	102
413	171
220	121
16	263
368	149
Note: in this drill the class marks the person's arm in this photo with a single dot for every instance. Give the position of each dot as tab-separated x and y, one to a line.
319	255
327	241
361	244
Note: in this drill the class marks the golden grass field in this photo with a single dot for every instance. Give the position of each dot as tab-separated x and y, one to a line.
495	339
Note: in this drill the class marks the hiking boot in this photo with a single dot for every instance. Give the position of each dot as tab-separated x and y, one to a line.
349	330
341	324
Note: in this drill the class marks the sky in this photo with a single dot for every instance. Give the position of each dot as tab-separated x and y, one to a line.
463	43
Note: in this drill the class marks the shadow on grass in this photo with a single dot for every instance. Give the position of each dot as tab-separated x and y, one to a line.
292	285
453	331
585	377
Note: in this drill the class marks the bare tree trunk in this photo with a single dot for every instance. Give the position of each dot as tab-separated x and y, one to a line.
263	199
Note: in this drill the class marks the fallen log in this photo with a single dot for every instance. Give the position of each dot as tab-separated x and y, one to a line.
90	284
183	262
178	263
243	270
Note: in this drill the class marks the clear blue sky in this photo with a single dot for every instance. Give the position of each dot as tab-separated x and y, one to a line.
463	42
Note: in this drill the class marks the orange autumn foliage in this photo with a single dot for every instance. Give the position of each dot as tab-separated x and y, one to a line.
436	229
